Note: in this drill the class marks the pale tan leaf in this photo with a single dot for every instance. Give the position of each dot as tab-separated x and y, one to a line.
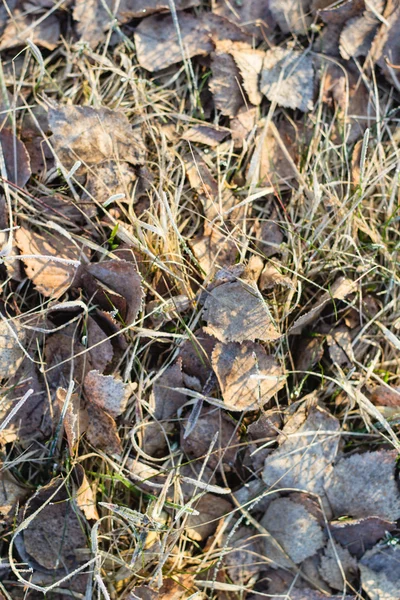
336	561
75	418
12	337
248	377
236	312
291	15
50	276
250	63
308	446
287	78
107	392
83	494
11	493
380	572
211	509
363	485
213	250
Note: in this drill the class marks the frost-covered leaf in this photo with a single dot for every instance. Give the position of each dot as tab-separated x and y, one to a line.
385	49
308	446
291	15
75	418
243	559
83	494
236	312
102	431
12	337
363	485
16	158
247	375
359	535
359	32
107	392
335	562
380	572
195	353
167	399
211	508
287	78
295	529
50	276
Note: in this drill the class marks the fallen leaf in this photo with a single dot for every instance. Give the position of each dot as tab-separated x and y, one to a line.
339	12
268	233
108	179
385	48
107	392
249	62
359	32
360	535
303	459
308	594
212	422
337	561
271	277
12	338
11	493
225	81
211	509
380	572
43	31
65	356
243	558
94	136
205	134
75	418
291	15
100	348
247	375
50	276
83	494
102	431
308	353
16	158
340	346
213	250
236	312
295	529
195	353
114	284
383	395
243	125
253	16
287	78
167	400
371	472
274	166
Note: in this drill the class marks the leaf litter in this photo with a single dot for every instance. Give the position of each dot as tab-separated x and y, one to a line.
197	321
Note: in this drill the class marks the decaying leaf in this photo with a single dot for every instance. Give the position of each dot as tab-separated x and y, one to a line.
212	422
295	529
195	353
236	312
359	32
360	535
11	493
167	399
308	353
99	346
254	16
243	559
271	160
12	338
363	485
383	395
308	446
102	431
337	561
213	250
16	158
225	81
107	392
247	375
249	62
65	358
211	508
385	48
380	572
340	346
243	125
93	136
75	419
291	15
108	179
287	78
205	134
43	31
83	494
114	284
50	276
269	237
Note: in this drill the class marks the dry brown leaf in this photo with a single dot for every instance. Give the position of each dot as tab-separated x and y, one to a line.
308	446
22	26
225	81
94	136
308	353
75	418
213	250
109	179
295	529
16	158
205	134
211	508
268	233
248	377
330	569
380	572
99	346
11	493
359	32
83	494
12	338
338	12
272	277
383	395
243	559
212	421
49	276
385	47
364	485
176	588
287	78
167	400
195	353
64	356
236	312
243	125
254	16
114	284
341	288
249	62
107	392
340	346
102	431
360	535
291	15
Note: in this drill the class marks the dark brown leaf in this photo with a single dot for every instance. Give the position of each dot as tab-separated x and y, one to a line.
254	16
211	508
205	134
102	431
43	31
99	346
167	400
16	158
360	535
196	355
225	81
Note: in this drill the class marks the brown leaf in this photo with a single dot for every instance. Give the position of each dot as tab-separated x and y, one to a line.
359	535
254	16
51	277
211	508
248	377
334	12
168	400
359	32
243	559
385	48
195	353
308	353
114	284
102	431
16	158
380	572
243	125
383	395
268	233
107	392
205	134
225	82
109	179
287	78
99	346
363	485
250	63
340	346
236	312
272	277
210	422
22	26
11	493
303	459
295	529
332	571
64	356
83	494
12	338
94	136
75	418
213	250
291	15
